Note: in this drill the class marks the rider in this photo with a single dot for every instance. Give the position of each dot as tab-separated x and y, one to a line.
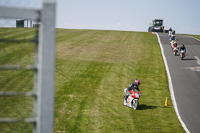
170	31
182	48
175	44
134	85
172	38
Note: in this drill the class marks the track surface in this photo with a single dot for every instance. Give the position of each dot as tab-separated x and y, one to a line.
185	76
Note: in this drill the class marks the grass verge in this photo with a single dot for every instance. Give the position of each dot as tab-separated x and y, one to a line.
196	36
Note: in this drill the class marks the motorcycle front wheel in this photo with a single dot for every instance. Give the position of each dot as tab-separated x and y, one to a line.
175	53
135	104
124	100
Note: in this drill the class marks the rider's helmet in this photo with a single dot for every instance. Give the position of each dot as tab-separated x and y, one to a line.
137	82
183	45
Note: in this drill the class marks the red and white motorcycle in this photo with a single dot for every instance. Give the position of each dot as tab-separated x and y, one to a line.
133	99
175	48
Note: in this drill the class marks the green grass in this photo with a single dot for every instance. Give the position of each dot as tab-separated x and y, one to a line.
92	69
196	36
12	80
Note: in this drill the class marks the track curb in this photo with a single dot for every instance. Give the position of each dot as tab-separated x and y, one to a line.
171	86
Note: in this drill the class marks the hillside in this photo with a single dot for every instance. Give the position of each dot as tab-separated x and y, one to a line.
92	69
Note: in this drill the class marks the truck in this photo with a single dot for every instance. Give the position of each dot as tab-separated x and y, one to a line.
157	26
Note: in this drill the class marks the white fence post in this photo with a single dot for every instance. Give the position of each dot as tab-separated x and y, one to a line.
46	68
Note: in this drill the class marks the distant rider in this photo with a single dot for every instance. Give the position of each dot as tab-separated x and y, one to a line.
170	31
182	48
134	85
172	38
175	44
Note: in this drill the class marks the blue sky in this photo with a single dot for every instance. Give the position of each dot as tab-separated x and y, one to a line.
129	15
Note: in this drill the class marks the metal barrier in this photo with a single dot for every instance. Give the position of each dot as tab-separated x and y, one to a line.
38	58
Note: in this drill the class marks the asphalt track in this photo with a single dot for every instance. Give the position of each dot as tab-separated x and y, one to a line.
185	77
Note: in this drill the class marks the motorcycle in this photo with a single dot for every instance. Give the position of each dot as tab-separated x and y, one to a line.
182	54
133	99
170	33
175	50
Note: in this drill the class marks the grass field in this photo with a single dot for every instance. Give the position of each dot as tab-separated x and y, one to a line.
13	80
92	69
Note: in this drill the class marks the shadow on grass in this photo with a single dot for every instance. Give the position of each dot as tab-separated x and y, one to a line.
144	106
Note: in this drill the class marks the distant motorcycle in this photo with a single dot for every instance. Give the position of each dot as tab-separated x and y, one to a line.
172	43
175	50
170	33
133	99
182	54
